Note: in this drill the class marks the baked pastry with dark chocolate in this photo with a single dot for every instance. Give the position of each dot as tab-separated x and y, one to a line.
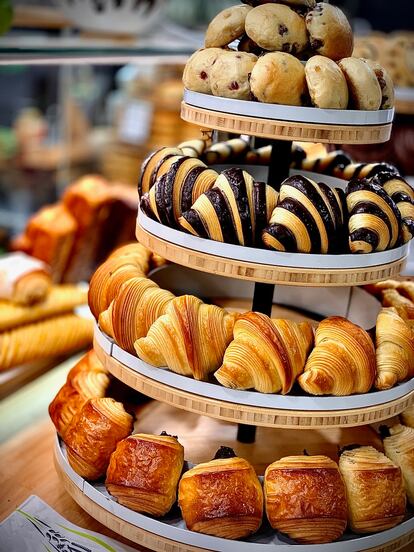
150	165
308	218
403	195
235	210
176	190
223	152
329	31
374	220
364	170
332	163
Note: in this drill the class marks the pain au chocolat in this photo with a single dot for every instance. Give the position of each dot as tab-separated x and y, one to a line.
144	471
265	354
308	218
305	498
223	498
234	211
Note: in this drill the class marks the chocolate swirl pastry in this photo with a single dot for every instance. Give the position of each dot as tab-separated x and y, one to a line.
176	190
332	163
374	220
309	218
403	196
261	156
225	151
234	211
364	170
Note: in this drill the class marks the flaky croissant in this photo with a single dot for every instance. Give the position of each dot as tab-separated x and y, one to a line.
308	218
394	349
176	191
375	490
151	166
223	498
93	434
265	354
374	220
305	498
190	338
144	471
23	280
136	306
392	298
342	362
235	210
127	262
86	380
399	447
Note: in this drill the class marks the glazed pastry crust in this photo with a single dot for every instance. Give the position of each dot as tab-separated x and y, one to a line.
375	490
226	26
364	90
144	471
342	362
223	498
278	78
305	498
399	447
326	83
93	434
330	32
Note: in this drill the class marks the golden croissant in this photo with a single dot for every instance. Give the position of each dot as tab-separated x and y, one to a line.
93	434
52	337
23	279
235	210
305	498
375	490
60	300
394	349
266	355
144	471
392	298
127	262
308	218
176	190
374	220
190	338
137	305
399	447
342	362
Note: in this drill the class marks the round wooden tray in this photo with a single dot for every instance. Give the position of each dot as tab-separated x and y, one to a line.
170	533
250	407
287	122
241	262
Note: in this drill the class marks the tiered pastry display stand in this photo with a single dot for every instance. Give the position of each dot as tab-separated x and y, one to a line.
278	125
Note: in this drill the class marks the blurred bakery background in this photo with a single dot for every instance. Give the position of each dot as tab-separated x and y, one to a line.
89	88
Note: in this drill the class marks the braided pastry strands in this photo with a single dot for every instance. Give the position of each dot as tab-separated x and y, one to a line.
394	349
403	195
342	362
332	163
399	447
265	354
175	191
190	338
52	337
308	218
229	150
305	498
126	262
375	490
374	220
138	304
234	211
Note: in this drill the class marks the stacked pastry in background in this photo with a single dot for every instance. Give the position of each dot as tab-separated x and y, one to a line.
76	234
36	317
375	213
311	499
254	52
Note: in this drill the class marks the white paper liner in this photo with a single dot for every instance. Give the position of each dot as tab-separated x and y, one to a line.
289	112
173	527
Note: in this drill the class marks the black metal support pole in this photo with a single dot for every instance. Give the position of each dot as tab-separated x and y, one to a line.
279	165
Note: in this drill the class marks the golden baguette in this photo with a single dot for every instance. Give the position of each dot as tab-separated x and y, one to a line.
61	299
53	337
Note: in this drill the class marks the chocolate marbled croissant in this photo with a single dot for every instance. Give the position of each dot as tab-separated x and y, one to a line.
149	168
228	150
177	190
332	162
374	220
403	195
364	170
308	218
234	211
